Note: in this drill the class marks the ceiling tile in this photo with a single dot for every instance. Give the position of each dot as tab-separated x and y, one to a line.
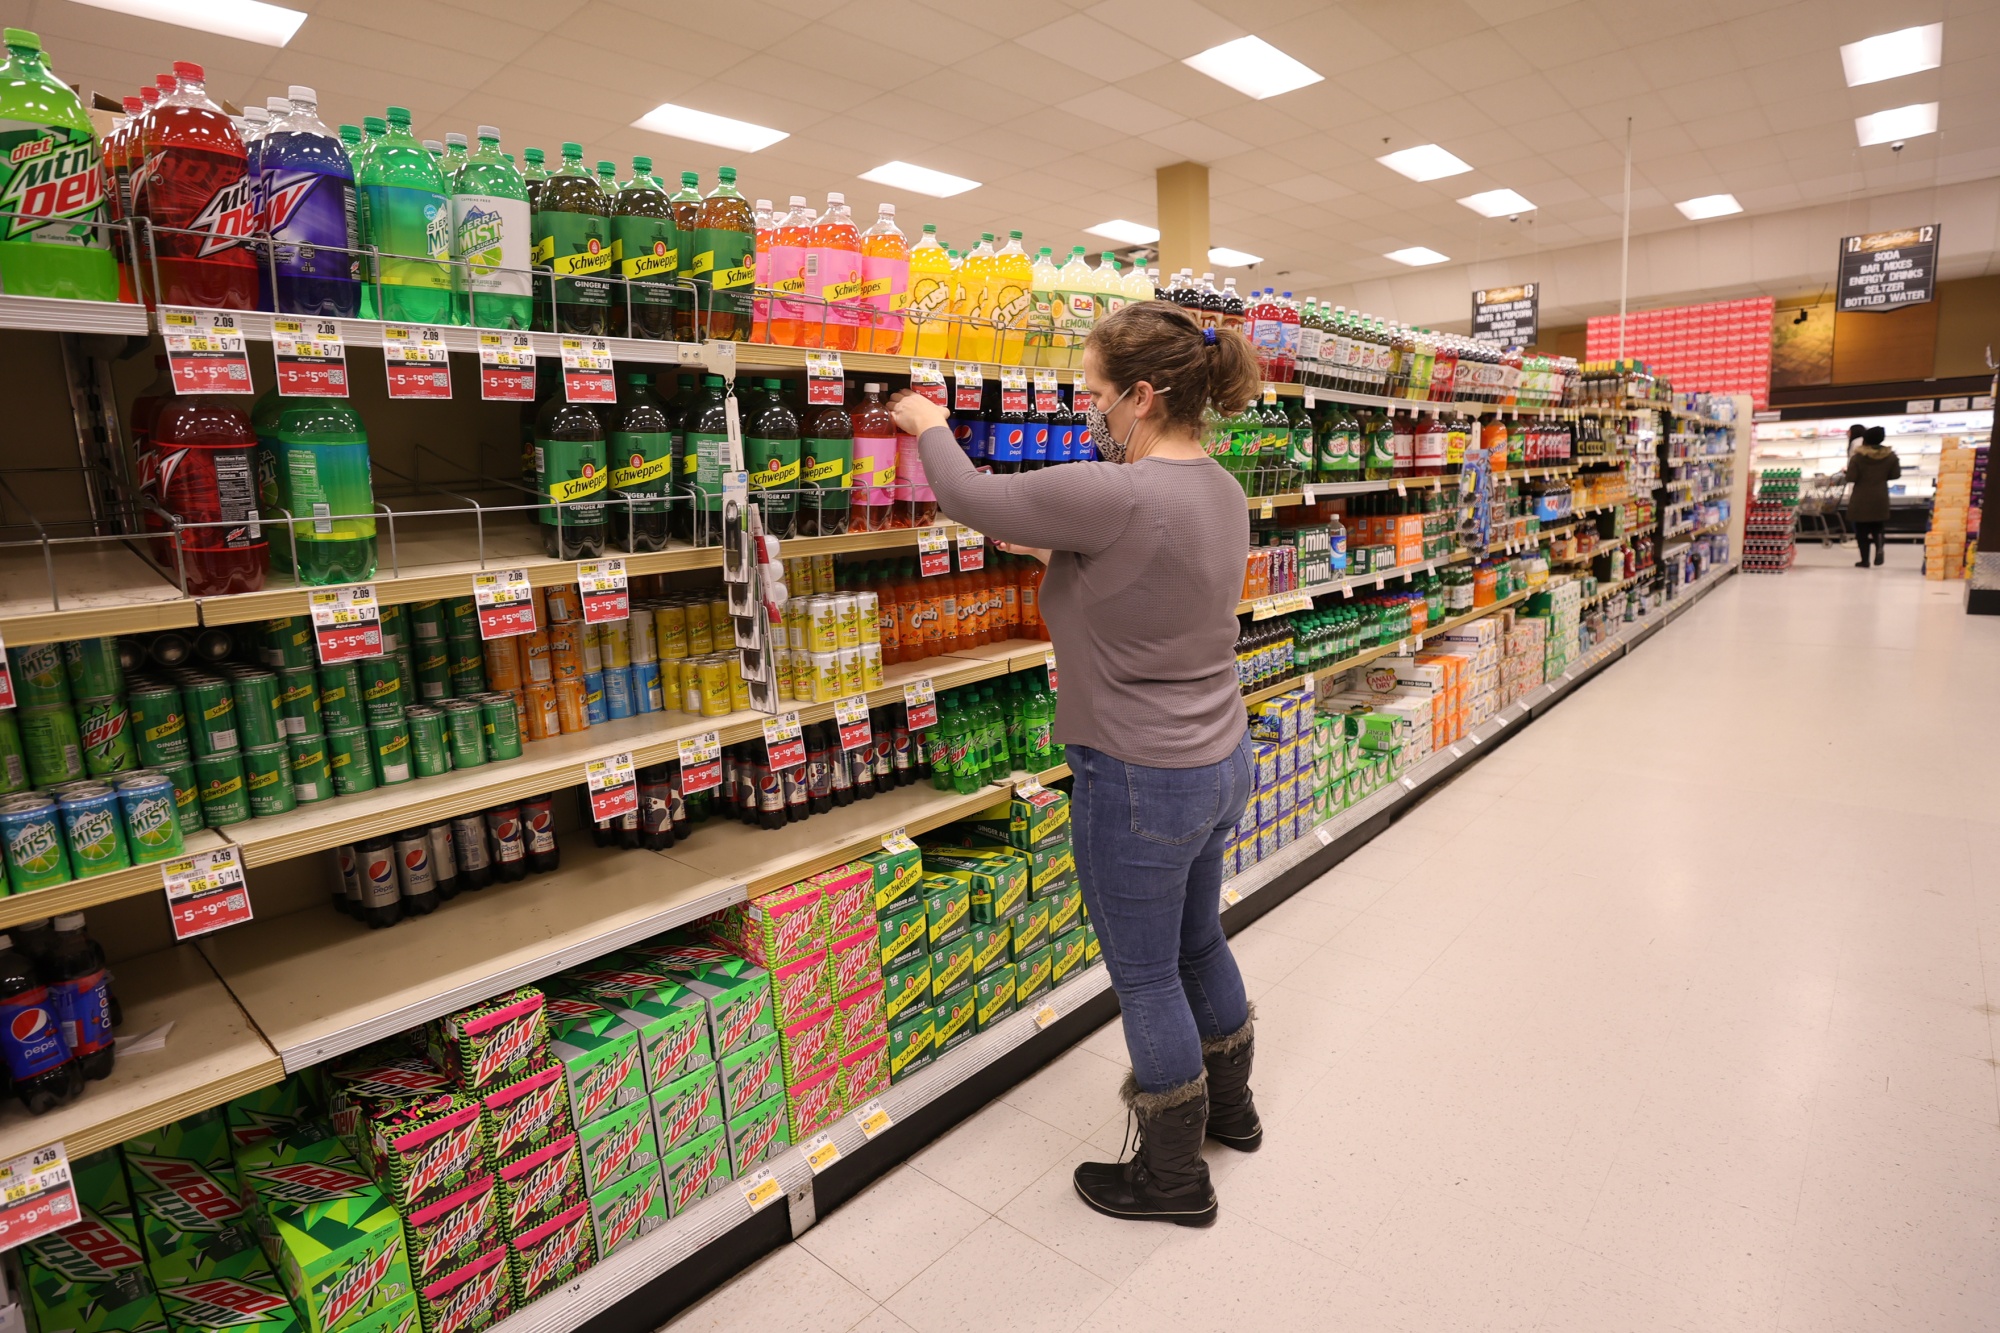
1196	142
1120	110
912	29
1178	28
1311	189
1008	20
1081	42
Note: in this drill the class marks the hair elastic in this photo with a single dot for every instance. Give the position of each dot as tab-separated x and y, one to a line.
1208	336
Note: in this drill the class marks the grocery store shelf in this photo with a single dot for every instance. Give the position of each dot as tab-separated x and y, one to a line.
65	316
1368	655
77	894
1377	578
211	1054
79	590
543	766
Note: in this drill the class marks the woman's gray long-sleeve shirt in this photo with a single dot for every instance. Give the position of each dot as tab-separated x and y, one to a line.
1140	595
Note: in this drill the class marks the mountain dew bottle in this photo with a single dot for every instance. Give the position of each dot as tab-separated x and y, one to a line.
51	185
322	450
492	238
406	217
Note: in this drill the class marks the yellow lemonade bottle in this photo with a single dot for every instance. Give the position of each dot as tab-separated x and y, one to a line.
978	301
927	321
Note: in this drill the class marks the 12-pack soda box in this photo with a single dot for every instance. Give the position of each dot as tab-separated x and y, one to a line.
671	1020
617	1145
757	1133
813	1103
526	1113
627	1209
449	1232
473	1296
491	1042
253	1302
539	1184
864	1073
553	1253
687	1108
332	1236
695	1170
600	1058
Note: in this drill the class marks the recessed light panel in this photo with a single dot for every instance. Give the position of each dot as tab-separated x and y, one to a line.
919	180
247	20
1253	67
1425	162
1893	54
1899	122
1497	204
1416	256
1131	233
681	122
1709	206
1224	257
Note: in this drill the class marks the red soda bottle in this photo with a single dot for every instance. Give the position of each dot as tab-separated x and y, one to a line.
193	187
201	450
146	458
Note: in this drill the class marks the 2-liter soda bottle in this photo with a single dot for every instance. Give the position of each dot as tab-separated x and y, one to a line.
492	238
305	189
51	177
194	190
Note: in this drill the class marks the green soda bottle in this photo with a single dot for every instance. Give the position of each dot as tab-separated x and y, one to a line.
937	748
705	458
268	469
573	243
1302	459
725	261
571	475
642	460
51	174
492	238
646	241
771	448
1041	716
372	130
323	471
686	204
999	762
407	219
1380	460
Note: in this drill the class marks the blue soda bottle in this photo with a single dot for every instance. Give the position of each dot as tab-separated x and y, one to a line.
306	187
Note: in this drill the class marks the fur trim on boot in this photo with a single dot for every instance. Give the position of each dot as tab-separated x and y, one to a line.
1143	1104
1231	1042
1166	1179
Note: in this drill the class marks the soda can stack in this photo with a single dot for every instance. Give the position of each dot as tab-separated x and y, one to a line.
683	645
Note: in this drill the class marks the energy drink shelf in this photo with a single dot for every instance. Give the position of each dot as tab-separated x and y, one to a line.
80	589
77	894
210	1054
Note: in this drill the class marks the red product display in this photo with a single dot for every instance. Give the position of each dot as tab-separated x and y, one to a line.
202	474
1721	347
192	178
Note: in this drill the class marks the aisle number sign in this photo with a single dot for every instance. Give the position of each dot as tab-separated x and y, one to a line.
614	787
701	763
205	892
505	603
1884	270
37	1196
347	623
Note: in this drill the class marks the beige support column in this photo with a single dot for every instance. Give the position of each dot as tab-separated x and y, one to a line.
1182	194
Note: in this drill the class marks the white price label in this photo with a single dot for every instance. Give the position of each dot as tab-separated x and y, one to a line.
701	749
1013	377
592	354
203	872
1265	510
762	1189
873	1118
781	741
1029	786
1049	663
821	1153
501	587
601	576
37	1196
1046	1015
1400	489
898	840
1230	897
611	771
850	716
344	608
926	372
933	540
1410	784
1457	753
409	345
1325	837
512	351
920	702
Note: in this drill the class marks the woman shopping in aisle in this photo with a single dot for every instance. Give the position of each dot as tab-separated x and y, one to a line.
1145	555
1870	469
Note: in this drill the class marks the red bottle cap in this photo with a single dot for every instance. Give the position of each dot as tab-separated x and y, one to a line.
188	70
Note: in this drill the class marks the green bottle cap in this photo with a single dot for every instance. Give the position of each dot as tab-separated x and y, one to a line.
930	229
607	168
712	381
350	134
509	157
533	155
572	152
642	166
20	39
1015	235
399	117
727	175
636	377
690	180
374	125
986	236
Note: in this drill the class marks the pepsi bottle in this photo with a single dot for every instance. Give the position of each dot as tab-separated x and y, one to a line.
444	861
38	1063
416	882
305	187
80	989
475	860
538	825
509	846
381	887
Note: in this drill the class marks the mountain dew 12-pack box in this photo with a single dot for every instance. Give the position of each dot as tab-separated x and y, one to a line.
332	1235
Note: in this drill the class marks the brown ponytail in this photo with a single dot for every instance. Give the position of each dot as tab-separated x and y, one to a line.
1160	343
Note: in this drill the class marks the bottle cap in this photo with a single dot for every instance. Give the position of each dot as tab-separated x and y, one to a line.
533	155
298	92
256	113
454	138
166	83
489	133
642	166
691	179
436	148
607	168
885	210
1015	235
70	921
134	105
797	201
399	116
833	198
276	106
374	124
188	72
22	39
574	150
727	175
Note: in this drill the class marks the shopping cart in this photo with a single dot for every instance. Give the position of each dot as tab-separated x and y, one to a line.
1821	510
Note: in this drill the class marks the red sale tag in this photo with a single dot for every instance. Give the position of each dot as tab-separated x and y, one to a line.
6	679
1049	661
587	371
852	715
782	741
920	701
347	623
415	361
969	381
605	597
971	550
701	763
933	552
826	384
205	892
614	788
506	367
1079	395
205	351
37	1196
311	356
505	603
1046	398
1013	390
928	380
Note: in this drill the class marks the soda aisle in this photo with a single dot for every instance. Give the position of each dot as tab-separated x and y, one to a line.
1522	1067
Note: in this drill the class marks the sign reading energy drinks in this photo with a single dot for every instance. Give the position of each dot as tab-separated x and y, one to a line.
1885	270
1507	316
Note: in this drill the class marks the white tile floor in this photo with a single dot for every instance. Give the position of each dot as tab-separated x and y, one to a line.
1677	1012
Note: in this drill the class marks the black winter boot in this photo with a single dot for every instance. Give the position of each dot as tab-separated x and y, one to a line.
1232	1114
1166	1180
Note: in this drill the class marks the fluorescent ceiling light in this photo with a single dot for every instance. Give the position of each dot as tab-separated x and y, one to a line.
1899	122
1709	206
1425	162
1893	54
682	122
1225	257
1253	67
249	20
1497	204
1132	233
919	180
1417	256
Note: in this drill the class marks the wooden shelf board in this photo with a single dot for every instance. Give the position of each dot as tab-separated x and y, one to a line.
131	882
211	1055
102	589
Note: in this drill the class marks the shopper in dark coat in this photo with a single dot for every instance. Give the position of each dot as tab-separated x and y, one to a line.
1870	469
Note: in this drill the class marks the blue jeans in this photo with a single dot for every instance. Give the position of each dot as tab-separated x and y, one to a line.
1149	847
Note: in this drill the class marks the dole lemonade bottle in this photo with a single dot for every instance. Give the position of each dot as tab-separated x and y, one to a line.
927	319
1042	312
1076	310
1013	298
885	282
977	299
1107	289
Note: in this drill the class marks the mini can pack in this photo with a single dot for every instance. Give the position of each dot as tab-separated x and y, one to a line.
953	1025
539	1184
947	903
449	1232
812	1104
473	1296
1032	976
687	1108
553	1253
910	1043
756	1134
951	966
996	878
861	1018
751	1075
252	1301
695	1170
902	934
1065	911
493	1042
739	1007
1065	955
617	1145
864	1075
800	988
333	1237
847	898
895	876
600	1058
852	962
529	1112
907	986
627	1209
995	996
990	944
809	1045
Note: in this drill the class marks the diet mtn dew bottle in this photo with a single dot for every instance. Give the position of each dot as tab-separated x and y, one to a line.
51	185
492	238
407	218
